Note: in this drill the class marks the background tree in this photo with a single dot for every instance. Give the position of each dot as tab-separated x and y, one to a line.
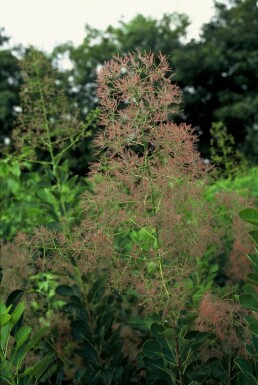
219	74
142	33
10	80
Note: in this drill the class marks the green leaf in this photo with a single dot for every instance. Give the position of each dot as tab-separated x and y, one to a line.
38	370
22	335
64	290
89	352
152	349
15	169
17	356
42	365
152	267
197	298
253	259
169	334
250	319
2	308
14	298
254	235
214	268
4	335
35	339
46	195
156	328
134	236
253	277
253	327
248	301
6	376
249	289
53	215
61	174
159	377
17	313
244	365
249	215
244	379
4	319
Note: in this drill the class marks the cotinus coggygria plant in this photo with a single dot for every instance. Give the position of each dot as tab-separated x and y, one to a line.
147	223
146	219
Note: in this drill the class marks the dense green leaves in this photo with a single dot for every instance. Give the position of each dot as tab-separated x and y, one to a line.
10	81
171	356
250	298
13	352
98	344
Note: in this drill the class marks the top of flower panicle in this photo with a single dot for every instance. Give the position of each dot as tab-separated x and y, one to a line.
136	91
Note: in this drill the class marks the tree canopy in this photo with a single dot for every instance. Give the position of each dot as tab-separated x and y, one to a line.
9	86
218	73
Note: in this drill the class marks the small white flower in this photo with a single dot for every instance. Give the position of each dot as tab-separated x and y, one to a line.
123	70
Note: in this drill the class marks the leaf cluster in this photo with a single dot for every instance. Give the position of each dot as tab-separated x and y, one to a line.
17	344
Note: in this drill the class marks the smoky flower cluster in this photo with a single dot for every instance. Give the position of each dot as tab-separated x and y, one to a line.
147	223
46	120
226	320
146	203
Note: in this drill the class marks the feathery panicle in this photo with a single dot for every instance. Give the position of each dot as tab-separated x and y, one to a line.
147	206
46	121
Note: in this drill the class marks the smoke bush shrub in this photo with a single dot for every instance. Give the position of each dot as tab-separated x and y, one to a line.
147	223
146	218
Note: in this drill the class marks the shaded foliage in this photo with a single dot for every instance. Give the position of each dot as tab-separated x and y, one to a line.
10	81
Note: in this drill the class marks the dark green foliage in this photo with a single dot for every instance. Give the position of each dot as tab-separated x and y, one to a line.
219	74
229	162
250	298
37	187
10	81
170	357
175	355
30	198
20	206
96	330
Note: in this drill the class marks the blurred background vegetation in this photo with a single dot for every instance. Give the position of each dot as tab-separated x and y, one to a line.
218	73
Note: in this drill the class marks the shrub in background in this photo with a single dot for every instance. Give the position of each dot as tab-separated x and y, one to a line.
229	161
20	205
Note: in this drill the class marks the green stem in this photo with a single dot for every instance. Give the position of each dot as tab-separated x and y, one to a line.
229	370
146	160
44	116
54	162
178	362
